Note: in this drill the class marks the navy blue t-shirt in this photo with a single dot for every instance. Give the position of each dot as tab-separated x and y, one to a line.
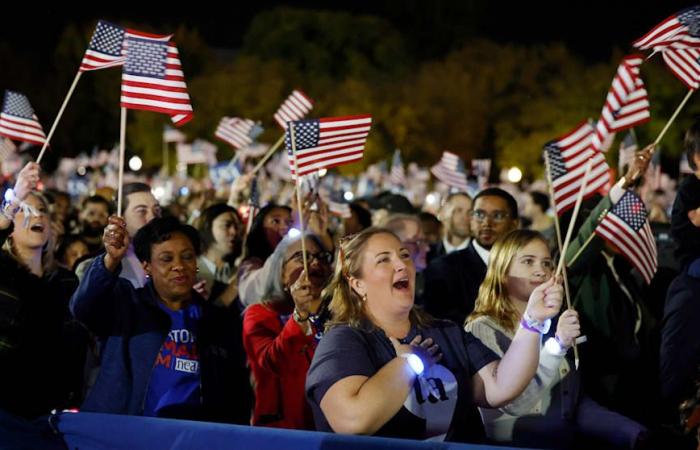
174	386
440	406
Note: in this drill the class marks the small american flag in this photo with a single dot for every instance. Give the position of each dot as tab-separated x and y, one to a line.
568	156
628	147
235	131
340	209
397	176
107	49
295	107
626	227
626	105
681	30
18	121
327	142
152	80
450	170
7	148
684	63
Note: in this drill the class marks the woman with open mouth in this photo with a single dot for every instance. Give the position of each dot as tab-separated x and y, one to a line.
281	332
386	368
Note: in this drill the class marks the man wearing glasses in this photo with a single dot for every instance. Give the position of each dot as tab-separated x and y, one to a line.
452	281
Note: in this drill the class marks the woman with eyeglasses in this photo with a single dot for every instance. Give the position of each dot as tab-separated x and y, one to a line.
281	332
552	412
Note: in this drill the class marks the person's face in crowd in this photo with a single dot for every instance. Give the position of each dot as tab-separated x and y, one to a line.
61	208
173	268
351	225
94	218
387	276
277	223
142	207
491	219
432	231
317	259
224	228
456	216
412	238
36	233
74	252
531	266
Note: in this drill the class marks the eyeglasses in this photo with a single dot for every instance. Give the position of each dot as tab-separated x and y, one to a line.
497	216
322	257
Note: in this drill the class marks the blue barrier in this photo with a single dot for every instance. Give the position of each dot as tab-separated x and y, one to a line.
101	431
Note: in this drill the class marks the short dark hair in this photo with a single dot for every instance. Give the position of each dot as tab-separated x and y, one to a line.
498	192
540	199
160	230
206	223
364	217
99	199
691	143
429	217
132	188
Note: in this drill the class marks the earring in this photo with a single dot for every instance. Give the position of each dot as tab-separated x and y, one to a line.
364	297
197	270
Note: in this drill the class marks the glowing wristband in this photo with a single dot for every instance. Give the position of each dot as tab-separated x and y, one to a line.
555	347
414	362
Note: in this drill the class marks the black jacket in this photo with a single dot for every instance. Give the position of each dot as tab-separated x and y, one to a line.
452	284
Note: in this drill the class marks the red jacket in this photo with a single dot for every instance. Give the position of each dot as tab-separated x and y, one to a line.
279	354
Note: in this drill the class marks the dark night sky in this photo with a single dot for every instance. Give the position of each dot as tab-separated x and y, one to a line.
590	28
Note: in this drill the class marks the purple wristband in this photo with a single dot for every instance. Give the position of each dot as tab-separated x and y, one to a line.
525	325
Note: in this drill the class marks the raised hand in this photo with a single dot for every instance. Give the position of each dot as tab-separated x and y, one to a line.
27	180
545	301
116	241
568	328
639	165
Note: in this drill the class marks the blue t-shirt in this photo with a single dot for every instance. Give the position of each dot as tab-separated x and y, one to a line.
174	387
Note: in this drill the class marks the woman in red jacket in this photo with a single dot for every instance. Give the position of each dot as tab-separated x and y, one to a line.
280	333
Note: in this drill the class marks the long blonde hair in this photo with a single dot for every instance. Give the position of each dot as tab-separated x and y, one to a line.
346	306
493	300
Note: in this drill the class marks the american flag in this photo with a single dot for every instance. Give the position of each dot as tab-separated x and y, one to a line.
235	131
626	227
106	48
481	168
626	105
18	121
628	147
327	142
7	148
152	80
681	30
450	170
340	209
685	65
295	107
397	177
567	157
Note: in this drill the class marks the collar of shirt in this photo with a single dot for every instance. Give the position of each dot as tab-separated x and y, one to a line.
449	248
481	251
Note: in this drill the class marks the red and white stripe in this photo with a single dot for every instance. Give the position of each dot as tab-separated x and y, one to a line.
235	131
341	141
339	209
168	95
94	60
626	105
670	31
21	129
638	246
446	170
684	65
575	149
295	107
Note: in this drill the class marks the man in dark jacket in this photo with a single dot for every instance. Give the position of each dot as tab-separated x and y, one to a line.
452	281
166	352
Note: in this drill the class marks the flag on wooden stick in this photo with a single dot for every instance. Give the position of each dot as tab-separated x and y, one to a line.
18	121
295	107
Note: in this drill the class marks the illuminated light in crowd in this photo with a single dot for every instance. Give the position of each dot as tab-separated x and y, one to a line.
431	199
135	163
82	171
415	362
293	232
322	172
184	191
515	175
158	192
348	196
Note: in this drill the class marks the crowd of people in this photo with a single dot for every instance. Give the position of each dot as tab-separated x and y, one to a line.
393	321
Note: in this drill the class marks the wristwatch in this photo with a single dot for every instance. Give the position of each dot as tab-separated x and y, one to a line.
535	325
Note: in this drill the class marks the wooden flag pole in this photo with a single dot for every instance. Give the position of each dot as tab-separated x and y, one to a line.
58	117
298	191
673	117
570	231
122	150
269	153
557	228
